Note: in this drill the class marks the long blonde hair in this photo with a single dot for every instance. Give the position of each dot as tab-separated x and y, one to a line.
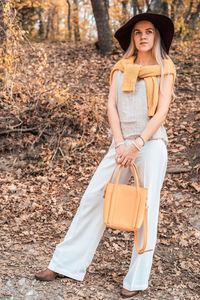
157	51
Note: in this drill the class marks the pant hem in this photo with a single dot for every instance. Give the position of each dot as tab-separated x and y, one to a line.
135	288
75	276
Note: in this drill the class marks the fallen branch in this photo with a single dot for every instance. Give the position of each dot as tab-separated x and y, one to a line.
18	130
178	169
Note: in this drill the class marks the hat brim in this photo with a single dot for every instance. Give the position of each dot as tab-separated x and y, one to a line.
161	22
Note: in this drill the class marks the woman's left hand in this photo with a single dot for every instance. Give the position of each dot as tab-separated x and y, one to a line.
129	156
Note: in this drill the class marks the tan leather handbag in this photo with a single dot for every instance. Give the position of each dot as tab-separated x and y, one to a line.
125	207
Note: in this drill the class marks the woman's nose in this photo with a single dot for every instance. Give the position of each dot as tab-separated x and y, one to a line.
143	35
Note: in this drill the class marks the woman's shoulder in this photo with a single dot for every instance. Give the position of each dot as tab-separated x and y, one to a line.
118	66
125	60
169	65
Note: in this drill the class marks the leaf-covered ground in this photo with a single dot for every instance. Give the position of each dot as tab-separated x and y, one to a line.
53	134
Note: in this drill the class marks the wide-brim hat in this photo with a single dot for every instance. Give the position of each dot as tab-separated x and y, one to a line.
161	22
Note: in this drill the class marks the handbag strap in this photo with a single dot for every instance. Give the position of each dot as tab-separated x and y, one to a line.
142	250
109	179
113	173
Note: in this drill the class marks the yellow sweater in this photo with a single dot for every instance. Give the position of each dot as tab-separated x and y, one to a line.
149	73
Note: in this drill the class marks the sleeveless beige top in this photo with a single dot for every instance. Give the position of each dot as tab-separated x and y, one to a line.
133	110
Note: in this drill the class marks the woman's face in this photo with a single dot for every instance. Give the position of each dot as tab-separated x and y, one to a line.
144	35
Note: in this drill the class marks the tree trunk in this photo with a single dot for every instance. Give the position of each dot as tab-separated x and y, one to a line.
41	26
136	7
188	13
173	9
194	17
155	6
52	23
164	8
76	21
2	24
107	5
103	29
4	74
69	21
48	25
124	11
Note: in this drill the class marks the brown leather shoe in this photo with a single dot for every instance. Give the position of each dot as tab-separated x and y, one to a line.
46	275
128	294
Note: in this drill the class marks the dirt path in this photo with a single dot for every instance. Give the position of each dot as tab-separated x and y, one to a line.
173	275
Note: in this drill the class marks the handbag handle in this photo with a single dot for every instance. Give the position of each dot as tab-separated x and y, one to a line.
119	172
136	175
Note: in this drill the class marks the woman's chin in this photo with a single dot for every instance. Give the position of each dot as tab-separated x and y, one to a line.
144	49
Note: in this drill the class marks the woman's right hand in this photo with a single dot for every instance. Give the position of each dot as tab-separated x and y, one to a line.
119	152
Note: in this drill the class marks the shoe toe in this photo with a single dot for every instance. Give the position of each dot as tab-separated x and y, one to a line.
46	275
128	294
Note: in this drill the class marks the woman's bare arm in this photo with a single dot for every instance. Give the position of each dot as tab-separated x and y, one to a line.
164	100
114	120
112	112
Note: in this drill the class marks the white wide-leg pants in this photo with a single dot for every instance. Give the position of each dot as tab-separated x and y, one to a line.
72	256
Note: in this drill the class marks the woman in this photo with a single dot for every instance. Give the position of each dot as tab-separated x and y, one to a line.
139	98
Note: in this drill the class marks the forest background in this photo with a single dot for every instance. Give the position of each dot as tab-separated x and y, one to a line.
55	62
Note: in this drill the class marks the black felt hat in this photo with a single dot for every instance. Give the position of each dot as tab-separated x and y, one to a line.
161	22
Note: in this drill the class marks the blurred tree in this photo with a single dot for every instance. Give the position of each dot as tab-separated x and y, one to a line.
164	6
69	21
2	40
73	20
28	15
103	28
76	21
2	23
49	25
41	25
124	11
173	9
136	7
195	16
154	6
10	37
